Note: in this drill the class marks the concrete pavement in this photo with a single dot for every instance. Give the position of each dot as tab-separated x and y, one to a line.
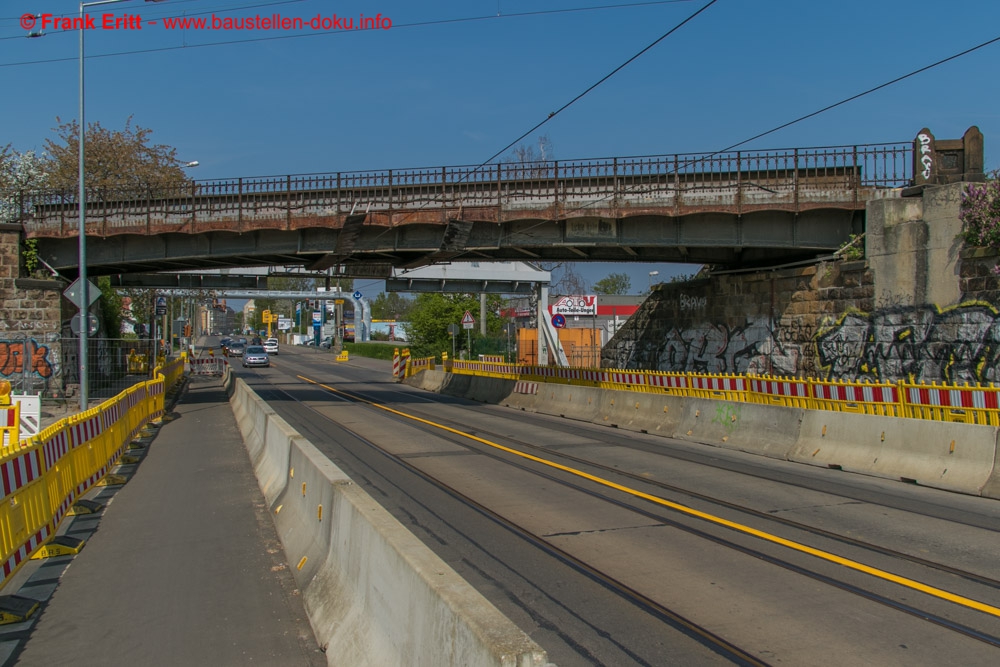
181	567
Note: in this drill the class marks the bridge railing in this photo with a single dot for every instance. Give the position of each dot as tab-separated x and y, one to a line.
737	179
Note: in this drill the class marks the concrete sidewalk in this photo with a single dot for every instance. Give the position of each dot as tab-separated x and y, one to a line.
181	567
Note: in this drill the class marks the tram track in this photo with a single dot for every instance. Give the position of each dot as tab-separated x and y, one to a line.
463	435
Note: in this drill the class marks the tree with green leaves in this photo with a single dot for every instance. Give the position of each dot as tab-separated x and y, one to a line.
614	284
391	306
433	312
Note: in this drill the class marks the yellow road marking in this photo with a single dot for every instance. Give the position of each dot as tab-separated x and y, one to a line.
711	518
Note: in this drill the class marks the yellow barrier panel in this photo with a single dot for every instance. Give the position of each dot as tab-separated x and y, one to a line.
420	365
40	478
967	404
137	363
10	425
953	403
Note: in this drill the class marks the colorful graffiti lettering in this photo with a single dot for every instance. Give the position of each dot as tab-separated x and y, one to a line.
956	344
928	344
17	357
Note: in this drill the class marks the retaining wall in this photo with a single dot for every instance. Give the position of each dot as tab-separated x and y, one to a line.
374	593
946	455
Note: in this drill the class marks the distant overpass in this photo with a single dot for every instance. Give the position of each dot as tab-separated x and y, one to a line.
736	209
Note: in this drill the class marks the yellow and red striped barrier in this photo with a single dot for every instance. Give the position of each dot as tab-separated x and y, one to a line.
41	477
414	365
954	403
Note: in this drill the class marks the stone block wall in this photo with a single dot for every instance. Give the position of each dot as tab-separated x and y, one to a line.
763	322
922	311
30	323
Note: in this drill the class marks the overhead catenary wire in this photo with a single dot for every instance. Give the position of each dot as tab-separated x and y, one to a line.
576	99
807	116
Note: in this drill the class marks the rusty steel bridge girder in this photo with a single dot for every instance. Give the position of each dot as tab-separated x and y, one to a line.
734	208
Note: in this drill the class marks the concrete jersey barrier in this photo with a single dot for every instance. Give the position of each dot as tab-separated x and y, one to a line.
946	455
374	593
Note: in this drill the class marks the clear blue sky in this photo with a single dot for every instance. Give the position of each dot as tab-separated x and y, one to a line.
438	90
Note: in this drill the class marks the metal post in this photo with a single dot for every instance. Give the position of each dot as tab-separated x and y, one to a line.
82	208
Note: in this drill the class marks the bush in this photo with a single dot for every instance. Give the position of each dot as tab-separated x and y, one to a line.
372	350
980	212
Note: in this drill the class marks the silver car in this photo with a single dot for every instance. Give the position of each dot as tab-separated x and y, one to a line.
255	355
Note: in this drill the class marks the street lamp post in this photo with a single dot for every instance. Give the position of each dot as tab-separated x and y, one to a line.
82	208
652	274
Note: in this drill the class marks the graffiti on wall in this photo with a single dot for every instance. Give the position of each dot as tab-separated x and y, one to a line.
19	357
27	364
928	344
712	348
956	344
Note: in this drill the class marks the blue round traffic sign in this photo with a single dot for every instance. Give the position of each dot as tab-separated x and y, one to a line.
558	321
358	295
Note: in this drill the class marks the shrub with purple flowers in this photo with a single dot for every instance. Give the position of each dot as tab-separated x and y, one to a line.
980	212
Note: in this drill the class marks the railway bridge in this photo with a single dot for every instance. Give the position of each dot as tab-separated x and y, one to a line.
740	209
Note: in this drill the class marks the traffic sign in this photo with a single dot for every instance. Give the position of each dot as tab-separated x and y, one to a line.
317	317
75	291
452	329
161	305
558	321
357	295
77	320
468	321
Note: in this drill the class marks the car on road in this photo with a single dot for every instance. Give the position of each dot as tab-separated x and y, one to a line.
271	346
235	349
255	355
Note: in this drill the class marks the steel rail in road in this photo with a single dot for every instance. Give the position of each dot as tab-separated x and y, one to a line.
677	507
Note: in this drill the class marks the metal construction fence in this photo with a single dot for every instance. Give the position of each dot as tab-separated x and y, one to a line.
43	476
968	404
49	366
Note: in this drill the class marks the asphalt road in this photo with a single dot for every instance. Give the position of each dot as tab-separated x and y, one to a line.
661	552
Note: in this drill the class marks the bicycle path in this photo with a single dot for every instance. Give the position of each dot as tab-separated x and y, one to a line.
181	567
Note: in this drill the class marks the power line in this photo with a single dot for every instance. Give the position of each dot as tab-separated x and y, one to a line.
601	80
678	167
859	95
395	26
580	96
920	70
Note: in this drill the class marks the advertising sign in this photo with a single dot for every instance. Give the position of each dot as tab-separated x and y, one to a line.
575	305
